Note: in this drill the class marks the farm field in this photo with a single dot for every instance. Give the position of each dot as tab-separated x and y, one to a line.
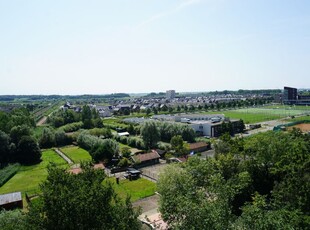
137	189
76	154
28	178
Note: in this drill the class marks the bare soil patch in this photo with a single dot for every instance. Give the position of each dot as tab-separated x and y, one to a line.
303	127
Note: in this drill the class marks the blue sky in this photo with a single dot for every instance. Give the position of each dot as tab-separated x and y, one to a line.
134	46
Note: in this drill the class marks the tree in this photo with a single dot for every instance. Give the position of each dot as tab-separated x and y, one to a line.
28	151
98	122
265	217
47	139
87	117
104	150
4	148
206	107
178	145
60	138
187	203
17	132
150	134
155	111
148	111
12	220
261	182
80	201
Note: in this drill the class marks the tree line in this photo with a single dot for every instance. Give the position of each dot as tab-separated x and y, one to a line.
261	182
17	143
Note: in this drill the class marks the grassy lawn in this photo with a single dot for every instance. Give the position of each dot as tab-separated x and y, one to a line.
76	154
137	189
28	178
303	118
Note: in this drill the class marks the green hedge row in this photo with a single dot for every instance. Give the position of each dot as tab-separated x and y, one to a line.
8	172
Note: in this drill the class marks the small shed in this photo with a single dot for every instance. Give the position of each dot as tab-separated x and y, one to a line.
198	147
149	158
11	201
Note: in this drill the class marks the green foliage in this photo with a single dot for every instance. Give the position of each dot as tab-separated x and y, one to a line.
123	162
125	152
5	148
47	139
12	220
87	141
169	130
179	146
71	127
261	182
104	150
28	151
259	216
17	132
105	132
86	117
61	138
80	202
8	172
150	134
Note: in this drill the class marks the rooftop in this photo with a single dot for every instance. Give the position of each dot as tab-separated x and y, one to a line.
10	198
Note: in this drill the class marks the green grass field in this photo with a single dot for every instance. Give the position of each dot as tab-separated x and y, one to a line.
254	115
303	118
76	154
28	178
137	189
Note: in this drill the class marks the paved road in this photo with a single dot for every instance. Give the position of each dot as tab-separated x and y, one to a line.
64	156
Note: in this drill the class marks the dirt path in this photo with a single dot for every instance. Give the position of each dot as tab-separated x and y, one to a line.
42	121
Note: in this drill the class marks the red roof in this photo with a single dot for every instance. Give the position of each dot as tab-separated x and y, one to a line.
198	145
146	156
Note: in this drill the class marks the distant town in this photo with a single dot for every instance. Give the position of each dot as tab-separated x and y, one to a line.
222	149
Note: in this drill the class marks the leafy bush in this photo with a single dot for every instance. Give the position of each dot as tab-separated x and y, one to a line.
8	172
71	127
106	132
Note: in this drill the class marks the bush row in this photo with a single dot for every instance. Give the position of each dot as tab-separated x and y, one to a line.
8	172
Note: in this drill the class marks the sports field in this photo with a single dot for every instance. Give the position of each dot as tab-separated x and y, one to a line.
254	115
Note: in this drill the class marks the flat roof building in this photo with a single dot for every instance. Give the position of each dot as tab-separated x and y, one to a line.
170	94
11	201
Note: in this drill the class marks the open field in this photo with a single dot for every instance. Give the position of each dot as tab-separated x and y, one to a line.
137	189
76	154
298	107
254	115
303	118
28	178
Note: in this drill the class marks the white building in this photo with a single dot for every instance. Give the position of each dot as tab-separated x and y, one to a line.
170	94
